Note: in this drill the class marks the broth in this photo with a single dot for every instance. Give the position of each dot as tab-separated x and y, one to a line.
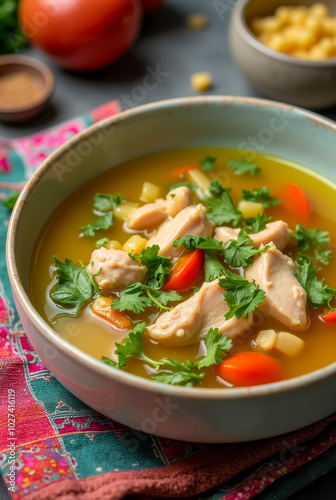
97	337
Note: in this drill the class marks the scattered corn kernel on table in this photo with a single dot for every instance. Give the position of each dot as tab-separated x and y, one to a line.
169	51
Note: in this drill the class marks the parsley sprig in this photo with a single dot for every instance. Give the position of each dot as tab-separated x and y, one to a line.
262	196
256	224
240	252
104	202
102	223
158	267
320	295
172	371
10	202
137	297
222	210
315	241
242	167
241	295
216	188
208	164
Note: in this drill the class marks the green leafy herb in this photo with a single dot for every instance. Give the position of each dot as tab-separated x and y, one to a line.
257	224
217	346
74	286
158	267
102	223
314	240
172	371
213	267
100	243
208	164
107	202
11	37
240	252
191	243
137	297
216	188
242	167
10	202
262	196
319	294
190	185
241	295
222	210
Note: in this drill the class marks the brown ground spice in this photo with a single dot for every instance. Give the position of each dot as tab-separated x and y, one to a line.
18	90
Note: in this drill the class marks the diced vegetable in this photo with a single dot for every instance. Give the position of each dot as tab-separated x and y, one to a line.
150	192
202	181
266	339
113	245
124	211
201	81
185	272
249	368
250	208
135	244
288	343
180	172
296	201
329	317
102	308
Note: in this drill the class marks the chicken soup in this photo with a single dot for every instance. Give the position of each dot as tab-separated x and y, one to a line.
195	267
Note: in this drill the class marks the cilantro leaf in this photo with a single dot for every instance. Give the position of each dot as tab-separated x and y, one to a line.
100	243
241	295
164	297
255	225
208	164
262	196
132	346
10	202
212	267
132	299
190	185
315	240
222	210
108	361
107	202
242	167
240	252
217	346
185	374
191	243
319	294
102	223
158	268
74	287
216	188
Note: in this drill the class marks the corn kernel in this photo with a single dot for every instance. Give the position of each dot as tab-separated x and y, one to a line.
201	81
124	210
113	245
250	208
269	24
280	43
319	10
283	14
150	192
318	53
266	339
135	244
197	22
288	343
299	15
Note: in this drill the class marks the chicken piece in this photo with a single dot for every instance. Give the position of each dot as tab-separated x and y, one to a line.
191	320
192	220
153	214
118	270
285	299
276	232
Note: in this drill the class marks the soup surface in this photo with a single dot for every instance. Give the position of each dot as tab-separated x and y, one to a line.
305	201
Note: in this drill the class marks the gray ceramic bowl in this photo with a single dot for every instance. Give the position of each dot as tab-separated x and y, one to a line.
310	84
199	415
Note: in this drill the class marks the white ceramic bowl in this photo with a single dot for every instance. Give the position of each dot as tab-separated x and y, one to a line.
199	415
306	83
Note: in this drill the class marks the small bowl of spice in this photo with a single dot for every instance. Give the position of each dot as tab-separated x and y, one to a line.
26	85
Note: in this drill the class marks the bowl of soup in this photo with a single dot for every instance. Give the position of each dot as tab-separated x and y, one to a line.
174	268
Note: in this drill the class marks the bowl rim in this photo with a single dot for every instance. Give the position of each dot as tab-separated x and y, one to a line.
40	67
96	365
240	20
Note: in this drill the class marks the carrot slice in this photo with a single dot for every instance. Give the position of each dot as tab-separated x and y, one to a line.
249	368
185	272
180	172
296	201
329	318
102	308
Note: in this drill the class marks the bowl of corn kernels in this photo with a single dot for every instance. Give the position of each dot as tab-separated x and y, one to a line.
287	49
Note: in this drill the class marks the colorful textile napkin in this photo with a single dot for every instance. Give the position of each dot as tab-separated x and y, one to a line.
53	446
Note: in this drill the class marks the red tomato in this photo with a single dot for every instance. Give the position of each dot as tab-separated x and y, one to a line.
295	200
329	317
185	272
150	5
249	368
81	34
